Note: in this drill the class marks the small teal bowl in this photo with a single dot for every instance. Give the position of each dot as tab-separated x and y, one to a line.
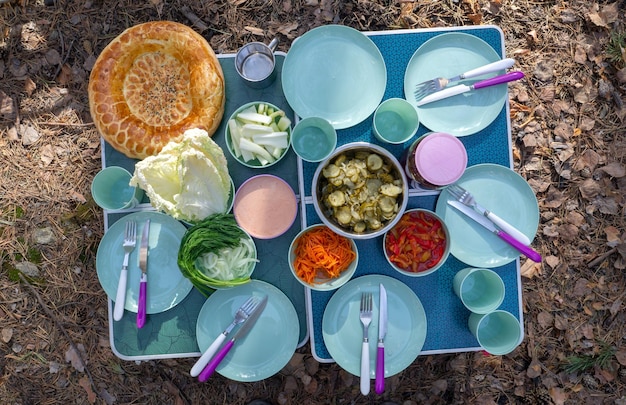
313	139
254	163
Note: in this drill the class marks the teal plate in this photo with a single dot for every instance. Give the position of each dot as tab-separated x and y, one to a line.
505	193
448	55
167	287
334	72
343	333
269	345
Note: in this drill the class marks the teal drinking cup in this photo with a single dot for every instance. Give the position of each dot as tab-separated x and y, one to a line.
395	121
480	290
313	139
498	332
111	189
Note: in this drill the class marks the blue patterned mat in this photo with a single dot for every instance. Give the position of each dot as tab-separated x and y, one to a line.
447	329
173	333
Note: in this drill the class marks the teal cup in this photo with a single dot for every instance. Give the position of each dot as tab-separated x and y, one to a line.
395	121
498	332
480	290
313	139
111	189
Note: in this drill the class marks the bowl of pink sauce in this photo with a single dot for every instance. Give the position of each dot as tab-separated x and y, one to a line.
265	206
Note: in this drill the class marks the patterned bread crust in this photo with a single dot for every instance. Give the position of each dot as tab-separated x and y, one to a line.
152	83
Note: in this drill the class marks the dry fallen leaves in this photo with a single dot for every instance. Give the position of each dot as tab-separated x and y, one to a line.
73	357
558	395
85	383
604	16
613	237
543	41
530	269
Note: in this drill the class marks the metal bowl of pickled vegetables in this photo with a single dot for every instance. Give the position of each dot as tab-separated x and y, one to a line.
360	191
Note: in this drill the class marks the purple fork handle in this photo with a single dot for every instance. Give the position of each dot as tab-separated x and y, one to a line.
215	361
380	369
509	77
141	311
526	250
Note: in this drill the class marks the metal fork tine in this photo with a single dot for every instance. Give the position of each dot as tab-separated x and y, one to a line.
458	188
424	87
250	304
454	190
423	90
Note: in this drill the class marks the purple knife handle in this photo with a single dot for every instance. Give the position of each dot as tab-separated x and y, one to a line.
509	77
215	361
141	311
380	369
526	250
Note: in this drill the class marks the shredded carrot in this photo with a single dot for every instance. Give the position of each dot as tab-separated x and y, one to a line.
322	254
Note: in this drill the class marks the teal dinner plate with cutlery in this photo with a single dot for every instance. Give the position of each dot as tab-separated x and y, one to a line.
167	287
406	326
269	345
336	73
448	55
501	191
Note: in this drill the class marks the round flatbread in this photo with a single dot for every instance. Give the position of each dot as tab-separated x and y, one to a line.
152	83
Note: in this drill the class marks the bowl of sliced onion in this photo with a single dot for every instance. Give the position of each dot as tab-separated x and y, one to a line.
216	254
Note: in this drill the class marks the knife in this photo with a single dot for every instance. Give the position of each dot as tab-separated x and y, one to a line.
486	223
382	332
241	332
143	283
463	88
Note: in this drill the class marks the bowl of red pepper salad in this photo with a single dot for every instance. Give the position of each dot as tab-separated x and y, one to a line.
418	244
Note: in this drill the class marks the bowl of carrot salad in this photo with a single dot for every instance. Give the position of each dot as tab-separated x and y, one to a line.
321	259
418	244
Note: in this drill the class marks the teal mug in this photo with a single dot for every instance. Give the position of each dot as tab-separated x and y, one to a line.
395	121
498	332
111	189
480	290
313	139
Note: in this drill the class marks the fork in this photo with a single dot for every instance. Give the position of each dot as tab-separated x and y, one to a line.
130	240
466	198
431	86
241	315
365	315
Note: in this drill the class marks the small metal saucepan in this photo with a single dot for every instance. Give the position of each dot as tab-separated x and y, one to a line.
255	63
